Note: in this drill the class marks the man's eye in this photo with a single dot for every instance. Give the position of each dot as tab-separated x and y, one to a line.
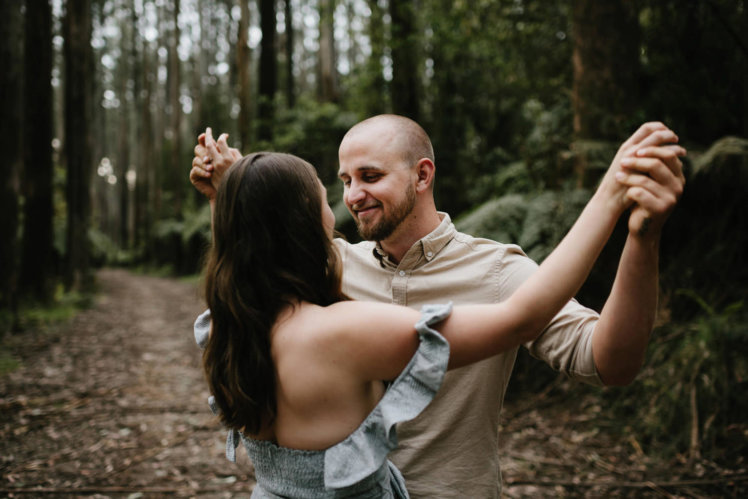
369	178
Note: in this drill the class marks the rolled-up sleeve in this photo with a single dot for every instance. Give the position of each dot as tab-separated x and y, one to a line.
566	343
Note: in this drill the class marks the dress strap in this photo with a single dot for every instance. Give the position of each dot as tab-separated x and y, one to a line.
202	329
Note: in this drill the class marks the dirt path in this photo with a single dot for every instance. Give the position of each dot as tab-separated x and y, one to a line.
113	404
116	405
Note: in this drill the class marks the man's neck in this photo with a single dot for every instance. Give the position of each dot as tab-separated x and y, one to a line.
412	230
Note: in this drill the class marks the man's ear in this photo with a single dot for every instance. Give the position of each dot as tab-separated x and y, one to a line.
425	171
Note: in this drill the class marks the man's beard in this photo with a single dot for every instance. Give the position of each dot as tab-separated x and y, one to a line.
389	222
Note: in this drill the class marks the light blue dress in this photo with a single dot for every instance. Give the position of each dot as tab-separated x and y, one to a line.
357	466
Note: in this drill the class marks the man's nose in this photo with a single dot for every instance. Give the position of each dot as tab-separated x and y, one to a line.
355	194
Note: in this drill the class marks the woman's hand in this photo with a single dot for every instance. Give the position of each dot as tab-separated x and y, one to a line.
212	159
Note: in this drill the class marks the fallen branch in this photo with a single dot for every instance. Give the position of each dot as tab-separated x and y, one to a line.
111	490
631	485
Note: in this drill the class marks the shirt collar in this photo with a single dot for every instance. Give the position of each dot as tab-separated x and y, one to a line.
425	248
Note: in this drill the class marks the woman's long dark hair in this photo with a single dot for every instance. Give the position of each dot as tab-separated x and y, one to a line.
270	250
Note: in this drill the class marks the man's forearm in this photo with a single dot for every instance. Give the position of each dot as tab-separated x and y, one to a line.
621	336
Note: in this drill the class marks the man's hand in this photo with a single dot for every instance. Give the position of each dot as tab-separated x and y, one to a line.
656	181
212	159
649	176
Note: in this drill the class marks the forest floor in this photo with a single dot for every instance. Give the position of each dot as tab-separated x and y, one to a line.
112	403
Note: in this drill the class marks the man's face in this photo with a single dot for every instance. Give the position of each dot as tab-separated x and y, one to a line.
378	185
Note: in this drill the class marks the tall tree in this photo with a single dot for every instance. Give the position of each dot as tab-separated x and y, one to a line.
175	111
374	84
606	67
290	86
124	75
10	141
78	115
268	70
328	79
243	62
37	251
147	183
403	44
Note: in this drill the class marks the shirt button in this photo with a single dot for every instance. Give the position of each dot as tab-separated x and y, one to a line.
402	273
429	254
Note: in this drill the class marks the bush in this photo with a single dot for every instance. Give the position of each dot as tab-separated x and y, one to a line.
690	396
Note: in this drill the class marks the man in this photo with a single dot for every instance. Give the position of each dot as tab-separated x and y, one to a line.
413	256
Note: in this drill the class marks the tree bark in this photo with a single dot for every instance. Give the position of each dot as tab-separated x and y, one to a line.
125	73
268	70
606	67
10	140
78	114
37	251
175	110
290	85
374	95
243	62
328	81
147	179
403	44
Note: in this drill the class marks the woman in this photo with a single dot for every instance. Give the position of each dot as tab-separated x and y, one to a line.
296	369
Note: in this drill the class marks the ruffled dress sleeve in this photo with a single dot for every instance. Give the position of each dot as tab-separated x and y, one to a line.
359	462
202	333
365	450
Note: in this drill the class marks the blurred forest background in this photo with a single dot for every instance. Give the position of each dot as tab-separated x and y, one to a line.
526	103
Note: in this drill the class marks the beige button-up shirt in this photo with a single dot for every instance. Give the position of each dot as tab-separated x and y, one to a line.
451	449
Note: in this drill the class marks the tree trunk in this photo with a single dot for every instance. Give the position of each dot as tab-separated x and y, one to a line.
404	60
290	86
243	62
375	85
10	143
124	74
78	114
268	70
606	68
328	84
37	253
136	210
175	116
147	179
354	49
744	29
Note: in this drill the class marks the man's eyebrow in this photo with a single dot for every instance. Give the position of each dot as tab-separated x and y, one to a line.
365	168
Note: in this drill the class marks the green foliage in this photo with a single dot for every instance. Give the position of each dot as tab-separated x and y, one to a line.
537	222
689	396
180	244
500	219
487	88
549	133
104	251
699	95
549	217
706	238
313	131
43	319
8	362
196	225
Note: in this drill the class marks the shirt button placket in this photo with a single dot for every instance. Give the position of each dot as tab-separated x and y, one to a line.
400	287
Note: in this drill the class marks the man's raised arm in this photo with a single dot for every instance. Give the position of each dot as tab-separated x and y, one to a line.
654	173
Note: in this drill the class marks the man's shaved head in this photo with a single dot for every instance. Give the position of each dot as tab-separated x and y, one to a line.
408	137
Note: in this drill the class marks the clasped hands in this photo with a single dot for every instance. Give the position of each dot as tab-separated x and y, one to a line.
212	159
